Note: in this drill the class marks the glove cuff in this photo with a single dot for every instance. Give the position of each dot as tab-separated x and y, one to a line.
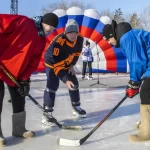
25	82
133	84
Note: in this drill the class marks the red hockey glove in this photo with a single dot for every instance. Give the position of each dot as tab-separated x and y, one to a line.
132	88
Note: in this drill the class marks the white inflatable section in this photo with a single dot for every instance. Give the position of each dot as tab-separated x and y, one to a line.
105	20
74	11
92	13
99	60
60	12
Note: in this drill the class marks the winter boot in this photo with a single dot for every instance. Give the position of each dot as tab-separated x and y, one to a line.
2	139
144	130
77	110
18	125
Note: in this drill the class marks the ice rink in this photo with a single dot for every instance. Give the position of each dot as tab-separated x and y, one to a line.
97	100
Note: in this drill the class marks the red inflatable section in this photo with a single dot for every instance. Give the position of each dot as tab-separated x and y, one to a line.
111	63
86	32
96	36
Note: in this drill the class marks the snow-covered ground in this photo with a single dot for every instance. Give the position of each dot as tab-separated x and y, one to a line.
111	135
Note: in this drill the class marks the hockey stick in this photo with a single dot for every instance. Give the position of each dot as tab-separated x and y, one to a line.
35	102
67	142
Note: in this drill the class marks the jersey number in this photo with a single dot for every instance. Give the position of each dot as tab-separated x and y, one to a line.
56	52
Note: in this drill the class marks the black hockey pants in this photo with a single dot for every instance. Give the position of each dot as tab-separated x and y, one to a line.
145	92
18	102
52	86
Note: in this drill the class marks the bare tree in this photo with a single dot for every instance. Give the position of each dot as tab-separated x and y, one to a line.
118	17
135	21
145	18
55	5
80	4
64	4
127	17
107	13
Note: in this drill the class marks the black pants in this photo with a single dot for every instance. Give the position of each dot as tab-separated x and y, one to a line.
52	86
145	92
84	68
18	102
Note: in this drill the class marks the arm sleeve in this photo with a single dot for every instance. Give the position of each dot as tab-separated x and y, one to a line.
76	58
78	52
83	50
31	67
8	23
135	54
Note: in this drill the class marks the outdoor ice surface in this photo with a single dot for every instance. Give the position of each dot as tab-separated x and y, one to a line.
111	135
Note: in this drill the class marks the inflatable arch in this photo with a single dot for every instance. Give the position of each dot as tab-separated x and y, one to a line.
106	57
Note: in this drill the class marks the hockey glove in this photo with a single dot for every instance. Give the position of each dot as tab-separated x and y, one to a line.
132	88
24	87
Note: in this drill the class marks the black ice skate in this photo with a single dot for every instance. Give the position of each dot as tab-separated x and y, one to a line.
78	111
48	120
83	77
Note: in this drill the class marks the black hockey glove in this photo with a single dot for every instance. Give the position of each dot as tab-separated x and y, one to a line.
24	87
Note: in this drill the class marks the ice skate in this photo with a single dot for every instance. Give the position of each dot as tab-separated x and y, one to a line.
90	78
83	77
78	111
48	120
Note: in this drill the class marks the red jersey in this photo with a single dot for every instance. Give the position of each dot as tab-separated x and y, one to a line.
20	46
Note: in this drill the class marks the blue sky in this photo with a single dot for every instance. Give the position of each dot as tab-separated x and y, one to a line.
34	7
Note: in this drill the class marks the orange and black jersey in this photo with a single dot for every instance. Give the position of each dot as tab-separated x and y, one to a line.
61	54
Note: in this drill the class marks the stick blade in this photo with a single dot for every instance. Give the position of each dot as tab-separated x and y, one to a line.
72	127
67	142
